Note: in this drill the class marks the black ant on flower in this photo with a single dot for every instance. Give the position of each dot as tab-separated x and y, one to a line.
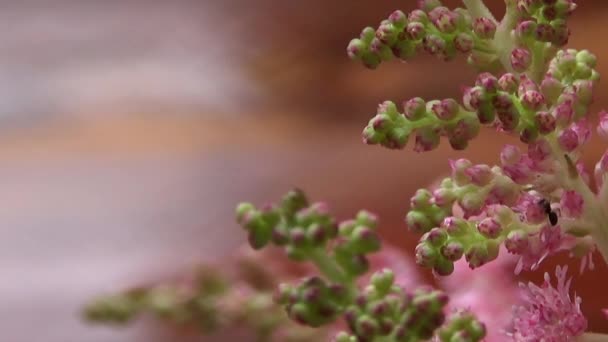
550	213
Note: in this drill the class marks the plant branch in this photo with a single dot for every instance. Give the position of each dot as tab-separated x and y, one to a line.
478	9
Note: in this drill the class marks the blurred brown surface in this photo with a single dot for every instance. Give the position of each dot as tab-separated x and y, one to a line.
131	168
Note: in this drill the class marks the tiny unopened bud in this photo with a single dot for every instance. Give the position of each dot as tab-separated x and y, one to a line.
568	140
508	82
532	100
545	122
463	42
426	255
436	237
517	241
474	97
398	18
418	222
551	88
484	28
488	82
415	31
521	59
434	45
510	155
414	109
452	251
445	109
489	228
480	175
571	204
525	30
427	139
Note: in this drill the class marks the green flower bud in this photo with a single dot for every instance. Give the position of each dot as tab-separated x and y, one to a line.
383	281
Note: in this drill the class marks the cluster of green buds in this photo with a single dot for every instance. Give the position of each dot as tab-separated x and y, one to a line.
380	310
434	28
511	103
215	302
462	326
306	231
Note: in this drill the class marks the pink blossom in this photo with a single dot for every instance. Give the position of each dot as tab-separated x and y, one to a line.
549	240
548	313
571	204
488	291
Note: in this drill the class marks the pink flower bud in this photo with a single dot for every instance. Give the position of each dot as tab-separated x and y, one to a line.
488	82
414	109
427	139
544	32
484	28
563	113
510	155
415	31
532	100
526	84
509	119
463	42
480	175
551	88
582	128
517	241
520	59
571	204
539	150
602	127
508	82
443	197
525	29
459	168
568	140
545	122
398	18
473	97
489	228
443	19
434	45
445	109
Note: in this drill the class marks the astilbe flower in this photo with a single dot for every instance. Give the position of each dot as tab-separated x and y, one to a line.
548	313
536	202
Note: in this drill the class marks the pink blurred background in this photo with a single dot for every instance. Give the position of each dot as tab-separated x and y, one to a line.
131	128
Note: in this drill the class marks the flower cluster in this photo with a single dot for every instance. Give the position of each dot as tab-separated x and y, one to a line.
548	313
433	28
217	298
378	309
538	200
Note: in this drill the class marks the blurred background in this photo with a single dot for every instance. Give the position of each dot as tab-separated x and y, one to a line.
130	129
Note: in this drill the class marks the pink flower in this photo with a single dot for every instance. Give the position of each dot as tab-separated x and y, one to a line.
488	291
549	240
571	204
548	313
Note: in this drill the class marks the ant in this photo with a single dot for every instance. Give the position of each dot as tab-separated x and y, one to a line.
547	208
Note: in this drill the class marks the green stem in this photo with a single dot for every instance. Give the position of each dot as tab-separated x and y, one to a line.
503	41
538	67
478	9
592	211
592	337
330	268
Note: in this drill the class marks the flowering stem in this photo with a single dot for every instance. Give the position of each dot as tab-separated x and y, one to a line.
539	66
478	9
592	206
592	337
503	41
